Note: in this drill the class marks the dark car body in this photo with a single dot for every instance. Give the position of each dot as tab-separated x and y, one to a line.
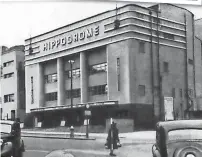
11	143
181	138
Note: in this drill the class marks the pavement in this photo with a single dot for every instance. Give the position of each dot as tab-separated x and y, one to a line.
139	137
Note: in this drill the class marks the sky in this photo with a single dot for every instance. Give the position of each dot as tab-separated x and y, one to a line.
20	20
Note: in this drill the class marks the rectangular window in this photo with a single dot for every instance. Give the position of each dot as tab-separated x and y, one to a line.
173	92
142	47
51	78
165	66
98	90
141	90
9	98
51	96
75	73
8	75
6	64
191	61
93	69
181	93
168	36
76	93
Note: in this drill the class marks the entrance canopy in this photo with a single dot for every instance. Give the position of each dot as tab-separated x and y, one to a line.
99	103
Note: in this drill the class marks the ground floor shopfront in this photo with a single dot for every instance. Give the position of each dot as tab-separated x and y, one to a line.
129	117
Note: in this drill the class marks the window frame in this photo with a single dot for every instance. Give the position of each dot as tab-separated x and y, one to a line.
98	68
98	90
6	64
51	78
75	92
9	98
53	96
76	73
8	75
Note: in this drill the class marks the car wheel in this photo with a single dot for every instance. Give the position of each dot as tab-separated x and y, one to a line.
194	150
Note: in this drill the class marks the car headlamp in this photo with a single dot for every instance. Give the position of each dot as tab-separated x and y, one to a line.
1	141
190	155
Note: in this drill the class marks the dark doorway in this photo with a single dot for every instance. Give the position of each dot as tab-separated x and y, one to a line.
1	113
12	114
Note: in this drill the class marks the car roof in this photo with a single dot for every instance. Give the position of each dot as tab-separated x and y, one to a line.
180	124
6	122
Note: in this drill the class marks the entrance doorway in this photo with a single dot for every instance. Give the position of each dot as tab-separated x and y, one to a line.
12	114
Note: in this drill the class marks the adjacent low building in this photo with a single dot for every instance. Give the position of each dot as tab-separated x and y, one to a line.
12	82
135	64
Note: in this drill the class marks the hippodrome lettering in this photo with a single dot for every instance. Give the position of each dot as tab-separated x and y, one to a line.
88	33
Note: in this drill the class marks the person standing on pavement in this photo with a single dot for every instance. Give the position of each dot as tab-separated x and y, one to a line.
16	132
116	133
113	136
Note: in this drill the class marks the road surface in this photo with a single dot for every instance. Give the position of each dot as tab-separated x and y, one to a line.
40	147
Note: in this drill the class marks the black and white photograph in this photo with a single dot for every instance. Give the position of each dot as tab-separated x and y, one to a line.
101	78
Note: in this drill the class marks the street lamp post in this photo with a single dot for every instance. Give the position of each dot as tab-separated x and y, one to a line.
71	97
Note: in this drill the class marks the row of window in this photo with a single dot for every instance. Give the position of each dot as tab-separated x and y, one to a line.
190	93
93	69
95	90
76	93
141	90
76	72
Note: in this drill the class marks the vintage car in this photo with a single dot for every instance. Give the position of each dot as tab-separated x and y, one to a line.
11	142
180	138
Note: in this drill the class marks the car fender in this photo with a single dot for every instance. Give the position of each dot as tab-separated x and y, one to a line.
7	148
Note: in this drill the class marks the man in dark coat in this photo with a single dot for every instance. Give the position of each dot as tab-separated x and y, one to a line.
113	136
16	132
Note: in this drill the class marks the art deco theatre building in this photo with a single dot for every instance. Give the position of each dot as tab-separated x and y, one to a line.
122	63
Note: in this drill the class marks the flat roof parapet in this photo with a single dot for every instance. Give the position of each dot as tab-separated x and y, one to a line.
13	48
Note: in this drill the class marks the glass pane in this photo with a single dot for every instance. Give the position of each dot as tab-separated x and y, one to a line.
5	128
185	134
